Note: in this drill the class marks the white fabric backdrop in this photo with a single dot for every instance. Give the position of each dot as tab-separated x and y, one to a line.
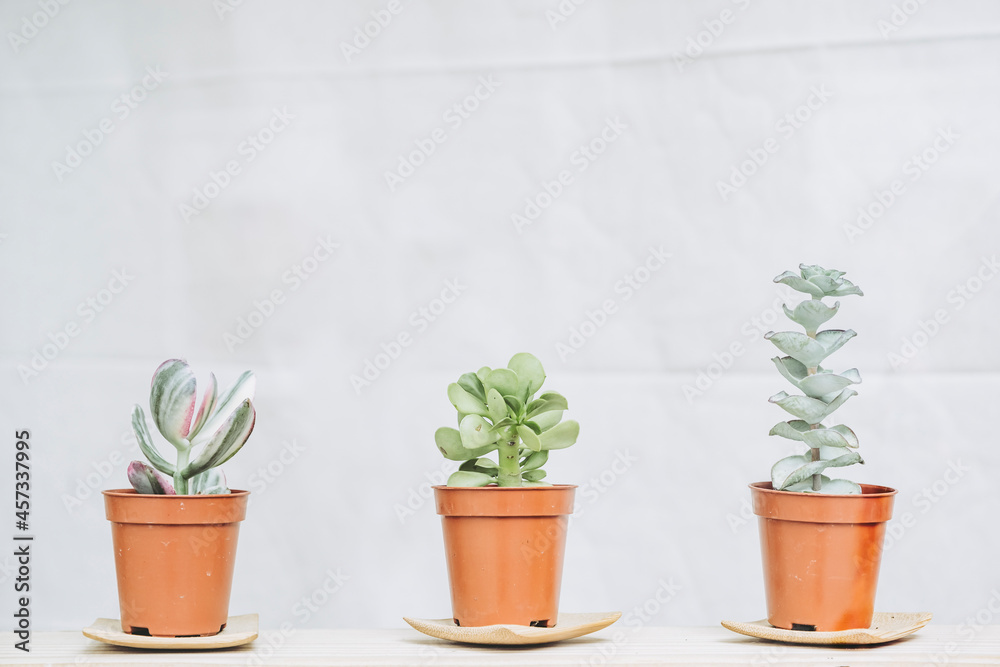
855	105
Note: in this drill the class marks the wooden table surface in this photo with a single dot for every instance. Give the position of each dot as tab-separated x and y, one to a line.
617	645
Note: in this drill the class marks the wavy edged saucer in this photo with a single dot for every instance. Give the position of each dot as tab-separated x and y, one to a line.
239	630
567	626
885	627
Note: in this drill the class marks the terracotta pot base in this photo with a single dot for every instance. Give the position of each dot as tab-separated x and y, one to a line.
821	555
505	550
174	560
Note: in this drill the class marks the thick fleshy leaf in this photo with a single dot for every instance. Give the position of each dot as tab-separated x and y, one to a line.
533	475
846	287
469	478
810	271
146	479
145	441
561	436
830	437
840	487
476	432
791	369
465	402
207	406
529	438
811	410
546	403
811	313
792	430
228	439
230	400
449	442
535	460
515	406
483	465
497	409
799	284
172	401
547	420
503	380
483	373
530	374
471	383
810	352
823	384
805	486
793	469
210	482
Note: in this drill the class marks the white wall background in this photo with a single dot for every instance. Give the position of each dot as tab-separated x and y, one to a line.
674	514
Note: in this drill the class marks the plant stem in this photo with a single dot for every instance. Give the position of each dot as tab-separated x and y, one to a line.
817	479
509	459
180	482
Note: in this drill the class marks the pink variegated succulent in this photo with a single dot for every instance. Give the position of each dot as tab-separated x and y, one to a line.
205	434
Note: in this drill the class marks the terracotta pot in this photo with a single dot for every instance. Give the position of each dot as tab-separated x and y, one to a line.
174	556
505	551
821	555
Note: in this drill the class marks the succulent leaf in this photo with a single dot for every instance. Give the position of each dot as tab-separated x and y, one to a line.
810	352
207	406
210	482
145	441
841	487
534	475
812	313
793	430
503	380
242	390
172	400
497	406
476	432
547	420
471	383
449	442
826	383
547	403
146	479
794	469
227	440
811	410
831	437
560	436
465	402
799	284
529	438
470	478
530	374
516	407
535	460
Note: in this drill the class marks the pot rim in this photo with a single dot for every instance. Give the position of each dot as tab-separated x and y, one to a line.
765	487
130	493
493	487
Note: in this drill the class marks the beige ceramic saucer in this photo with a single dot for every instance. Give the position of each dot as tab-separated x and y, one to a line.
567	626
885	627
239	630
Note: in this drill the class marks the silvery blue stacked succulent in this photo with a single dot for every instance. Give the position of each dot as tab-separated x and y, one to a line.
220	428
823	391
497	411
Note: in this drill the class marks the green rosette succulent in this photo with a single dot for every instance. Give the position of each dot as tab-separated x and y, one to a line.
823	391
498	411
